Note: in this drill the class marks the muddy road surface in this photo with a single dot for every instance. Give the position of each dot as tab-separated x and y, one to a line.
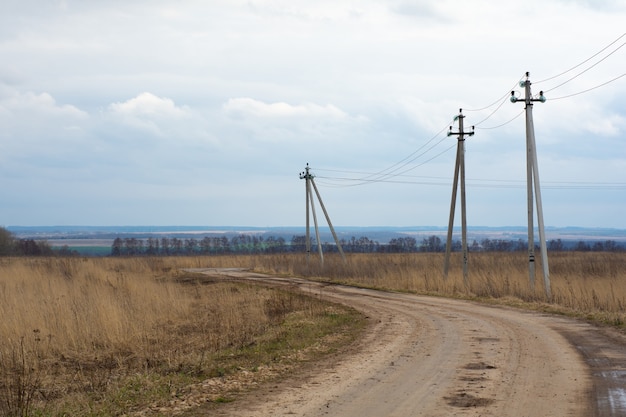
429	356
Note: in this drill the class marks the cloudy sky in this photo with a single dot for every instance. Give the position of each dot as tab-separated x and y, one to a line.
195	112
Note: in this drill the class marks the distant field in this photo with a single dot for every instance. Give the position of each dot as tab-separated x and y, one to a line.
79	243
88	250
85	247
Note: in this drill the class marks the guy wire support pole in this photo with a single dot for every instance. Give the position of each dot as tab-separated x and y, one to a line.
532	175
306	175
330	225
309	198
459	166
317	229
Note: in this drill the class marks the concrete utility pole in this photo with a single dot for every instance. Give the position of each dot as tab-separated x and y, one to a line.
532	176
459	166
306	175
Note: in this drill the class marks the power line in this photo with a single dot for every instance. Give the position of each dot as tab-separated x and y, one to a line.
585	70
589	89
470	184
426	161
502	124
585	61
500	101
474	182
504	97
385	178
492	113
397	169
486	180
392	170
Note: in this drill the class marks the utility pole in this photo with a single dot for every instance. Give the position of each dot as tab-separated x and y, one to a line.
459	167
532	177
306	175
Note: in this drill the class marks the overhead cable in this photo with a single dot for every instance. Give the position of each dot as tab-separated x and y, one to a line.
390	171
501	98
585	61
371	178
502	124
482	183
399	169
589	89
584	71
493	112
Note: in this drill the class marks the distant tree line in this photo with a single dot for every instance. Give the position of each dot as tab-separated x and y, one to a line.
250	244
12	246
205	246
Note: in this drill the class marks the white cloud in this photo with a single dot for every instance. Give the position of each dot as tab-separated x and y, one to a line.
147	105
417	9
239	92
610	125
35	124
150	113
42	104
307	11
306	130
248	107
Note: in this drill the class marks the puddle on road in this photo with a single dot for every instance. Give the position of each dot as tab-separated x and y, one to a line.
616	395
617	399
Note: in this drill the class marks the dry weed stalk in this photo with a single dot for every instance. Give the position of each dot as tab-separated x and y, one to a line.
20	379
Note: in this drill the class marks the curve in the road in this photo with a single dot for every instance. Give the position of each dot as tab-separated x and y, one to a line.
427	356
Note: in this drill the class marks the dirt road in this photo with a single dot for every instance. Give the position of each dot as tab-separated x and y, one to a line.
427	356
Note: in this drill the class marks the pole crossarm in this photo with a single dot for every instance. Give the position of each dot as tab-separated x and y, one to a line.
459	168
533	184
306	174
528	99
461	134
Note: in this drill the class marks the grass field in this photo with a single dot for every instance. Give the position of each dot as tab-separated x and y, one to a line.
130	336
583	284
104	337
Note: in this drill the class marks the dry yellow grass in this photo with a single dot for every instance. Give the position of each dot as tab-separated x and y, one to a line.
77	332
589	284
105	336
585	284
